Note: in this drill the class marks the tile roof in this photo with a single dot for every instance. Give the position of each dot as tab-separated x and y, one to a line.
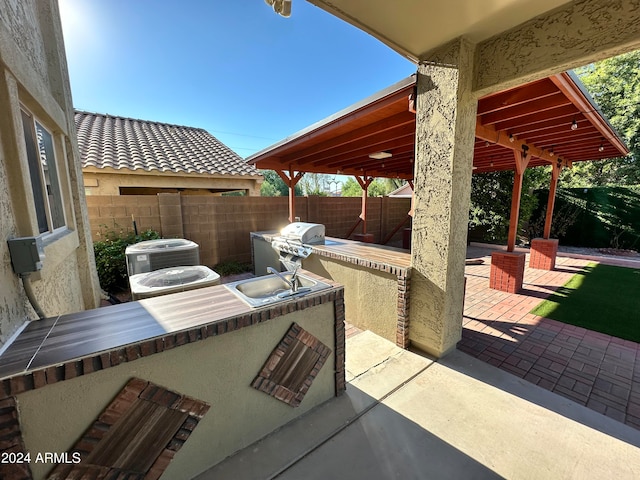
126	143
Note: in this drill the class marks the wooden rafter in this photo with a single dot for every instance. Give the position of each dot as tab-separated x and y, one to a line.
492	136
538	114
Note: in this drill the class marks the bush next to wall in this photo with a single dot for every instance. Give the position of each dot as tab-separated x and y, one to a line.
110	258
598	217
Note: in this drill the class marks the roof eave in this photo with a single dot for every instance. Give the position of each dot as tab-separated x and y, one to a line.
575	90
350	110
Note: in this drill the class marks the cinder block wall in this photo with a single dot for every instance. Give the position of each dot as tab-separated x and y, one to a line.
113	213
221	225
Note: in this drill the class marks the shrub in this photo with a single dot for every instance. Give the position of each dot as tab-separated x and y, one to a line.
110	258
232	268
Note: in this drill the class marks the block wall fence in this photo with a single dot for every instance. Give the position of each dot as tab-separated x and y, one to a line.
221	225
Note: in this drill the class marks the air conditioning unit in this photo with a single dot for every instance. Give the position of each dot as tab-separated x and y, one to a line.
171	280
152	255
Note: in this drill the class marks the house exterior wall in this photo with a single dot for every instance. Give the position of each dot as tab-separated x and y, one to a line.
33	77
108	181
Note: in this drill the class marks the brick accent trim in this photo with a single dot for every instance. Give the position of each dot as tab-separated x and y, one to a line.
507	271
543	253
402	327
381	266
339	347
311	355
11	442
23	382
96	436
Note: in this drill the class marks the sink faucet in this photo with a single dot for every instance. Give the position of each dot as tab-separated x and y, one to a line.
293	283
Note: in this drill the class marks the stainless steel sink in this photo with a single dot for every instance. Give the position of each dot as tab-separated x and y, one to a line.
261	291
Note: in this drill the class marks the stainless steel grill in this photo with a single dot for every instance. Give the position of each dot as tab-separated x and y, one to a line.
295	241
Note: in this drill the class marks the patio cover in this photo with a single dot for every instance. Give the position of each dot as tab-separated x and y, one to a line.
536	118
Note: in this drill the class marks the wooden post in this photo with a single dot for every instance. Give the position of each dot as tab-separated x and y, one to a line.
555	173
364	184
291	181
521	164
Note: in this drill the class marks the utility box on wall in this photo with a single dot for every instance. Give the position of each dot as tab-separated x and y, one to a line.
27	254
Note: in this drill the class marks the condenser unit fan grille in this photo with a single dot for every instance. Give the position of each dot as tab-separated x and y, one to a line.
169	278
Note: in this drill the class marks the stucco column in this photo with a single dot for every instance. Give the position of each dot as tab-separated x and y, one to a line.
445	126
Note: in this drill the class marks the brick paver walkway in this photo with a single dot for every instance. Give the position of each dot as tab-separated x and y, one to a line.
593	369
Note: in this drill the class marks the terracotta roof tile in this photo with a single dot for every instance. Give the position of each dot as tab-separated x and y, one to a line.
127	143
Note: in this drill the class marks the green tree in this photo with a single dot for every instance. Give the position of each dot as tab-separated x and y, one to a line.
614	84
491	194
273	186
315	183
378	188
351	188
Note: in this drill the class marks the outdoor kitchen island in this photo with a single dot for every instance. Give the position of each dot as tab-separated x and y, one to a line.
376	280
200	371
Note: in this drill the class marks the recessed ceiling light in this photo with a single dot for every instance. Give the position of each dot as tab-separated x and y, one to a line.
380	155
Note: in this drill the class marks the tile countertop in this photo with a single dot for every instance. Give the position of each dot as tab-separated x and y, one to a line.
56	348
372	255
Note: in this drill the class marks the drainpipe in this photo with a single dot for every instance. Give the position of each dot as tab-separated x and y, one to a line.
28	289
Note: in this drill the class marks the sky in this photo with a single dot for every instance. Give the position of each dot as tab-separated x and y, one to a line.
233	67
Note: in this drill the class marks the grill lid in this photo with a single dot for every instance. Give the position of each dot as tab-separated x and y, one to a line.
306	233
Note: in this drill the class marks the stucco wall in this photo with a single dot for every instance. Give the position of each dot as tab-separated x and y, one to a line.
106	183
370	296
445	126
579	33
12	308
33	73
217	370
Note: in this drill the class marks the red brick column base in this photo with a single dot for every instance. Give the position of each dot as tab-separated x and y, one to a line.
507	271
543	253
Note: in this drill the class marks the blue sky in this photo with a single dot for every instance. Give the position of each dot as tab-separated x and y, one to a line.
232	67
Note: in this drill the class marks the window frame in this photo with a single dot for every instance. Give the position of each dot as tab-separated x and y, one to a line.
44	192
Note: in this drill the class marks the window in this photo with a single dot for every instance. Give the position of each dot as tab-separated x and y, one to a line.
44	175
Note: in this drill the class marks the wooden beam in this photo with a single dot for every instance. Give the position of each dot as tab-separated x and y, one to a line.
500	138
291	180
555	173
395	230
364	184
373	130
524	109
400	137
565	112
521	164
516	96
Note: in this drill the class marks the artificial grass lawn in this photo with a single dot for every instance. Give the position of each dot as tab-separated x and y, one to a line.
602	298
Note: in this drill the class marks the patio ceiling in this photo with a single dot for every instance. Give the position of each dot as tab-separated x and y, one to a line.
537	116
401	24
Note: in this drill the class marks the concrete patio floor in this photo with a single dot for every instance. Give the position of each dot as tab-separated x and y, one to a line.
590	368
406	416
